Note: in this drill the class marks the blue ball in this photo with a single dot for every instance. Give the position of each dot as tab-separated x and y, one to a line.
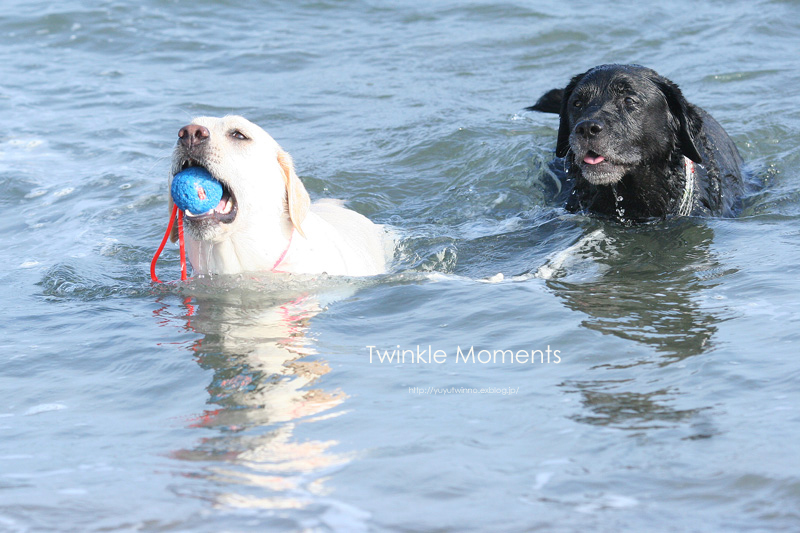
196	190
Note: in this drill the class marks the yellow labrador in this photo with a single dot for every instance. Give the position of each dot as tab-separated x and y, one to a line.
265	220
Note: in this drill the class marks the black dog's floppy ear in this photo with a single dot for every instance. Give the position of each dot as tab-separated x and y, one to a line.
555	101
550	102
689	121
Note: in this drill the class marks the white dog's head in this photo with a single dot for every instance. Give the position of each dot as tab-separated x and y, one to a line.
260	188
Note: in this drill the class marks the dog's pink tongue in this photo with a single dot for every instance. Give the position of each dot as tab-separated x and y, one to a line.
593	160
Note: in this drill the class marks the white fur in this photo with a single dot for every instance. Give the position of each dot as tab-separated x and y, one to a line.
272	207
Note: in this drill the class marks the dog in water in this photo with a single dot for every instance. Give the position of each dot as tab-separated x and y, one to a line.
265	220
634	149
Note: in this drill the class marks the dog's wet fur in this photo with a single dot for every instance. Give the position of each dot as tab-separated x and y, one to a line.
627	136
266	220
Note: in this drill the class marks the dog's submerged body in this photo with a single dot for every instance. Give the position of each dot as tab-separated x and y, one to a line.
265	220
635	149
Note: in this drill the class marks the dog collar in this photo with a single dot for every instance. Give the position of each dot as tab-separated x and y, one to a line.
178	214
689	169
283	255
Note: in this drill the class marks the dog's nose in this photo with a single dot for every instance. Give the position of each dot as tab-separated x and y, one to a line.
588	128
192	135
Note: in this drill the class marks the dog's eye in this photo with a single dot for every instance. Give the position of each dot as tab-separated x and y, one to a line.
578	104
630	101
238	135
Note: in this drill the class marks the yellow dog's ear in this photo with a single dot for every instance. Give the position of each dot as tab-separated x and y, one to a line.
296	193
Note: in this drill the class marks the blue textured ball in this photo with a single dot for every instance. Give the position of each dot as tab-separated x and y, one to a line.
196	190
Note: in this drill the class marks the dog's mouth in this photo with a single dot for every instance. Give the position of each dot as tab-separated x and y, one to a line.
227	208
598	169
593	158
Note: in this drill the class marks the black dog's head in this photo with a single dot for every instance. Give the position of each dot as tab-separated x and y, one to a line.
615	118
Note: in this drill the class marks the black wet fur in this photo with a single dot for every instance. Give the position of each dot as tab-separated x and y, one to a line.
645	127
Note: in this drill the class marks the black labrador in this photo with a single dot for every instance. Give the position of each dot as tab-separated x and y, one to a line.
635	150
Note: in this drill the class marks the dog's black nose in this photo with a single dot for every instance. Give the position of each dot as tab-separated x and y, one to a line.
588	128
192	135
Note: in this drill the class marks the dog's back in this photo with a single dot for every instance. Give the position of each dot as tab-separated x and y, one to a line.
351	243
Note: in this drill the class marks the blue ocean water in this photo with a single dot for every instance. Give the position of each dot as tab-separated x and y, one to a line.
261	403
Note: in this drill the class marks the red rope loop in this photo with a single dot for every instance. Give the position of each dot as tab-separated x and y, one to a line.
176	213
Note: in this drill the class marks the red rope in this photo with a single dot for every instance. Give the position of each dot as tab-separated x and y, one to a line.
182	246
176	213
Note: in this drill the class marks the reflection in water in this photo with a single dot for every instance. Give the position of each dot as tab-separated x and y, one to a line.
642	284
628	410
262	388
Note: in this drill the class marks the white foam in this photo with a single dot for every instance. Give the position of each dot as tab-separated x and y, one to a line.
574	257
44	408
608	501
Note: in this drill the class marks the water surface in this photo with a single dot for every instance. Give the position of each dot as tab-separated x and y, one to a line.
250	403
